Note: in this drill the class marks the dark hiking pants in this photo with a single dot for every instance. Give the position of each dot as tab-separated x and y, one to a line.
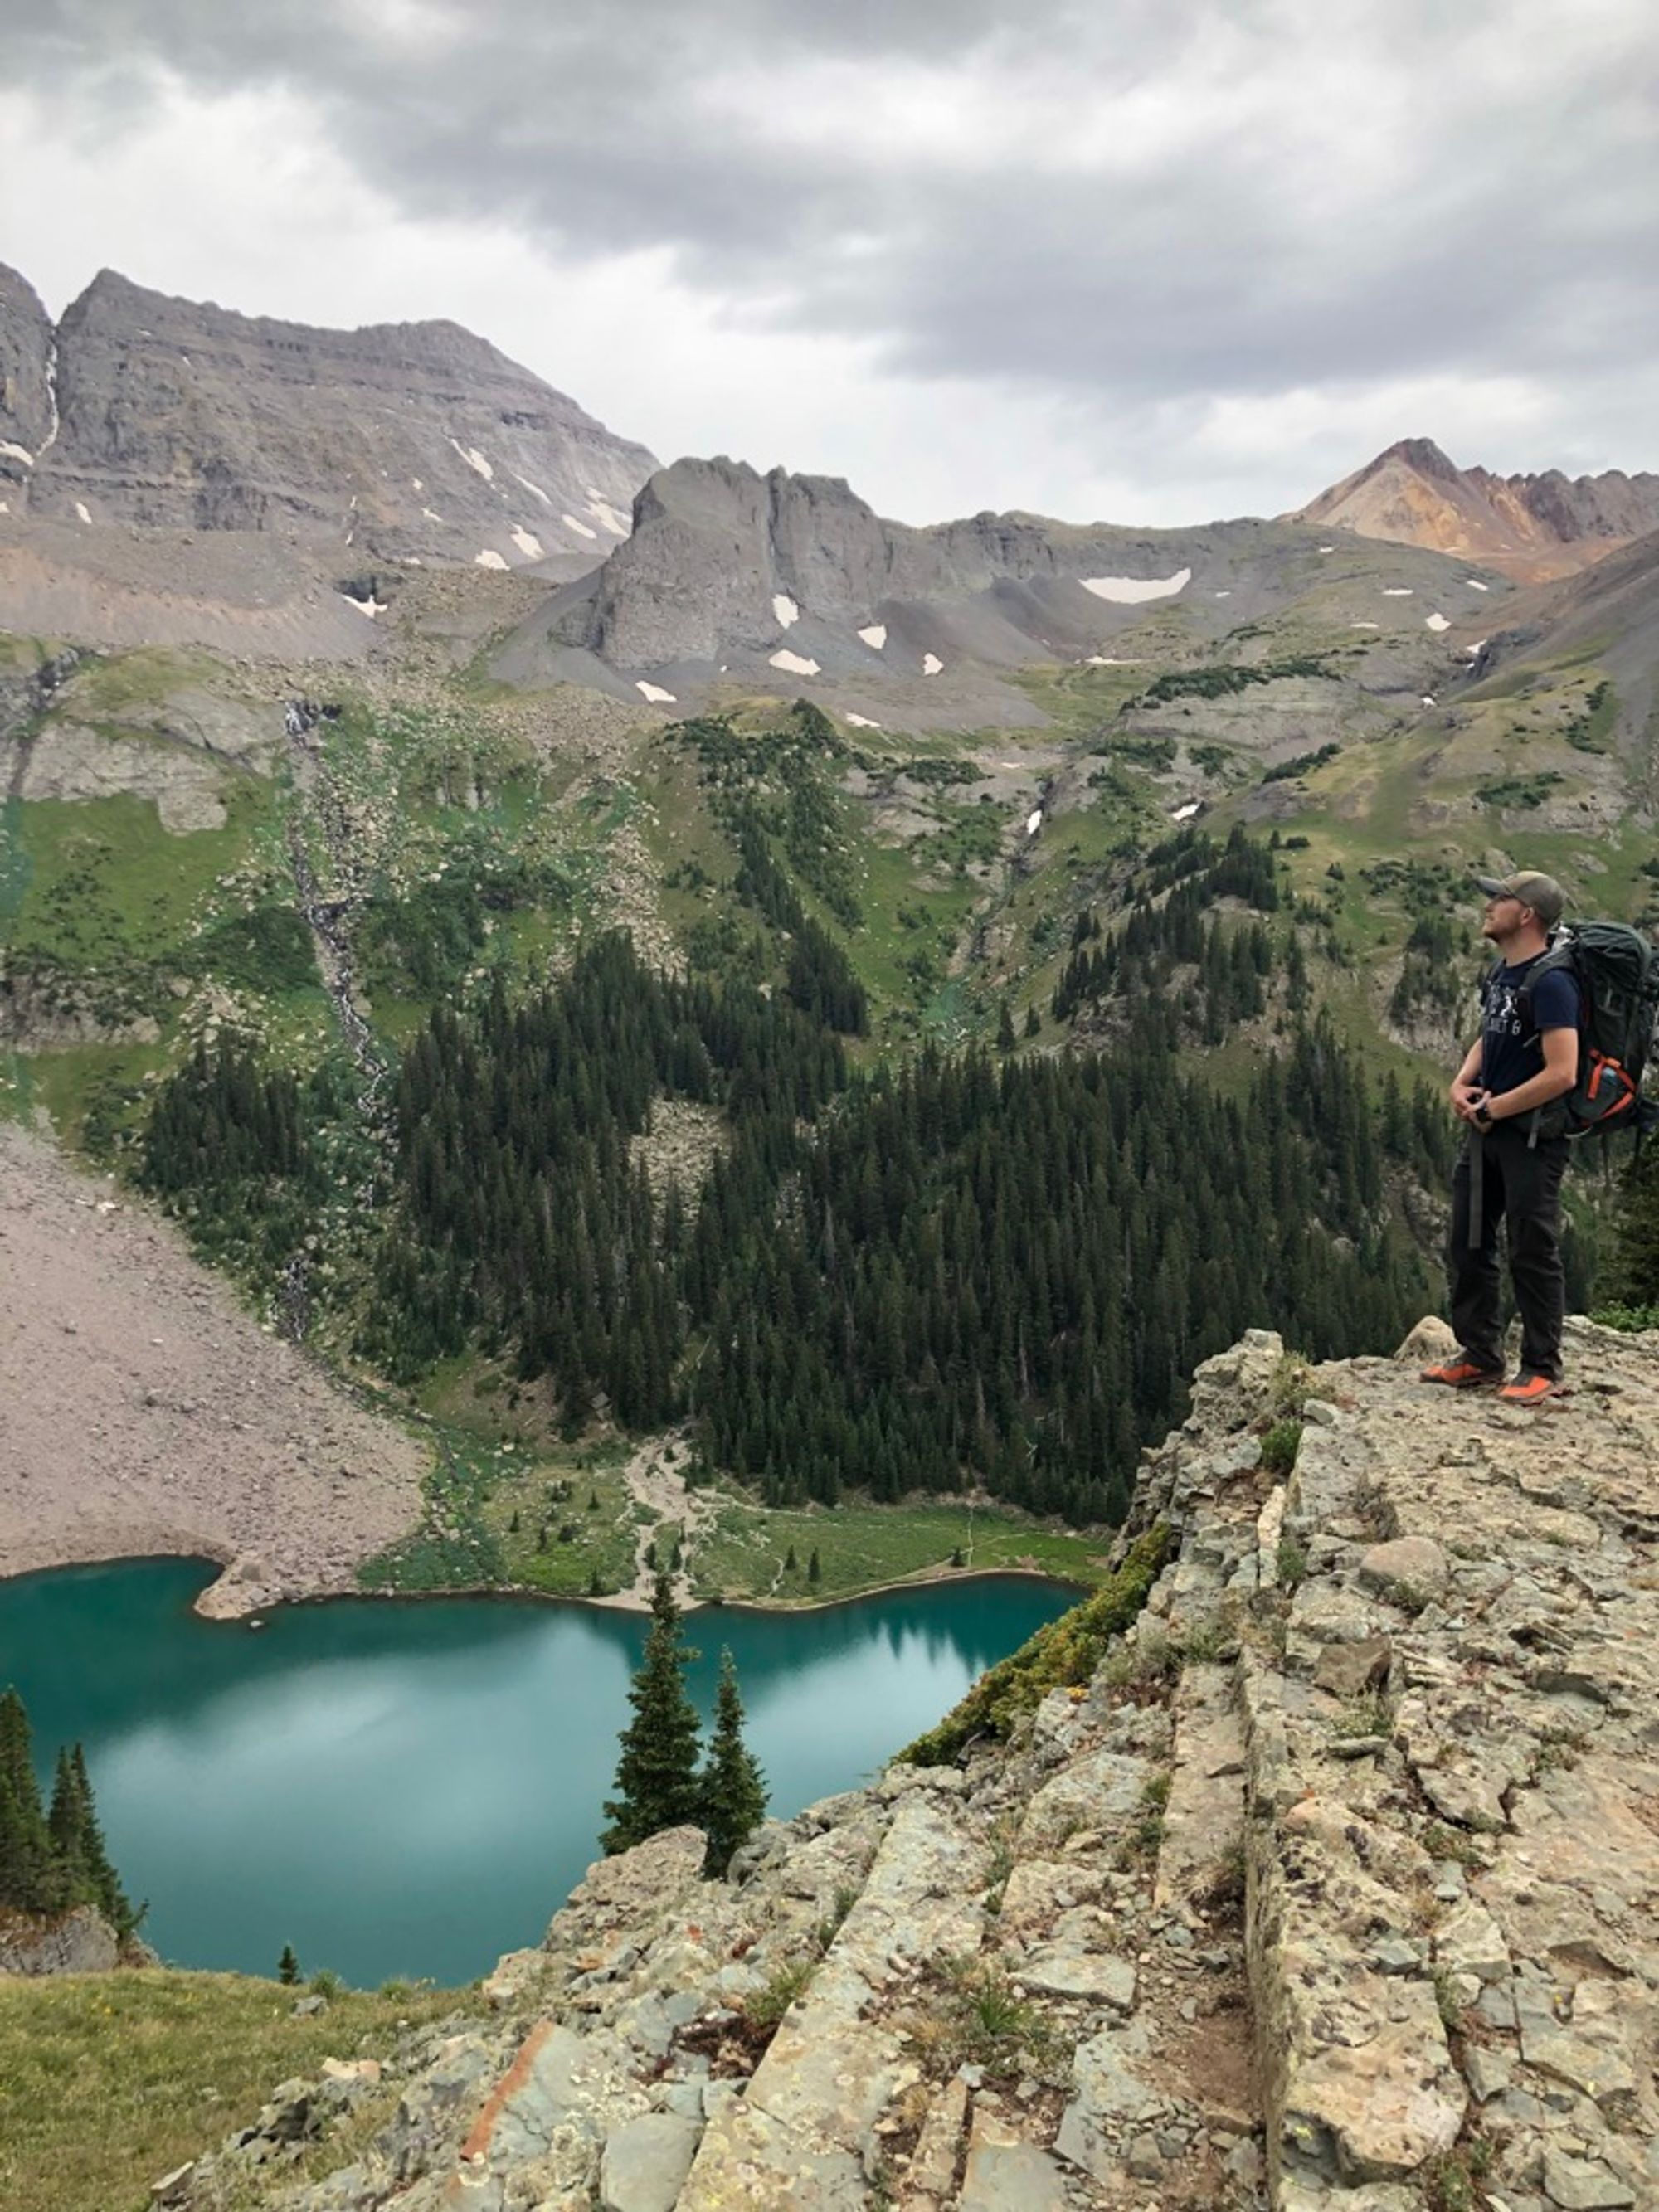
1521	1188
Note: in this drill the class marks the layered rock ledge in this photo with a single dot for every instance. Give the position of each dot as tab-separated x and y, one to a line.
1334	1883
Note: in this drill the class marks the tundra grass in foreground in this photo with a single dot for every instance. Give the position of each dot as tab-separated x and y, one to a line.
107	2082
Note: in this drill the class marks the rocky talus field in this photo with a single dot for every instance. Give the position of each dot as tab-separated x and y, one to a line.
145	1411
1332	1883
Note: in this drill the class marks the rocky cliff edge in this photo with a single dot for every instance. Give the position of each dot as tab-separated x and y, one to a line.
1330	1882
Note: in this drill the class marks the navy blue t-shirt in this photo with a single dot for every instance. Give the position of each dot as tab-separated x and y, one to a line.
1510	1052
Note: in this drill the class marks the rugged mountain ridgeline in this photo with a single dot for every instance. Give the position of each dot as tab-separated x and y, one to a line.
409	440
174	473
1529	526
733	581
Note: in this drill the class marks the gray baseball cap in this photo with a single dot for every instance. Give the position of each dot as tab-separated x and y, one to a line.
1541	893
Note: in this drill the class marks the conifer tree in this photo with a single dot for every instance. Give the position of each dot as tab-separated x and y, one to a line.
65	1826
25	1853
657	1774
814	1571
108	1893
731	1789
288	1967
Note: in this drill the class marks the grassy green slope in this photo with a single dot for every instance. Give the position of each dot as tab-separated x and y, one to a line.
109	2081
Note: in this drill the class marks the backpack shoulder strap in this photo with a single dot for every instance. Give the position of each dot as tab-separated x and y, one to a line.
1556	956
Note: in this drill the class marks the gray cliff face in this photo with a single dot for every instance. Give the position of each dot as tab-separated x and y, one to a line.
715	546
412	441
26	412
715	541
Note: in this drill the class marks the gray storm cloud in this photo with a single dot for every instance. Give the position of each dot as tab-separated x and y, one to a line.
1124	208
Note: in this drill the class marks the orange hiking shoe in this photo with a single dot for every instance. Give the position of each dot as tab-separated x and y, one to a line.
1528	1390
1461	1374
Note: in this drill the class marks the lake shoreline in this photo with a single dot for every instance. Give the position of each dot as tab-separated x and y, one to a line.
150	1416
224	1600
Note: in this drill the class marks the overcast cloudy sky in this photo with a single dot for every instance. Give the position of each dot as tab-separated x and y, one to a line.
1144	260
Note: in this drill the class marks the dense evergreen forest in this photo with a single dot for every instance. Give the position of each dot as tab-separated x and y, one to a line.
1006	1272
960	1270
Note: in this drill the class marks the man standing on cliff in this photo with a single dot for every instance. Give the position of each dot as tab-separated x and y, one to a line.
1525	1058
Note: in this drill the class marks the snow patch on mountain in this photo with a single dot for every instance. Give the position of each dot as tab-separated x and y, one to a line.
474	459
1134	591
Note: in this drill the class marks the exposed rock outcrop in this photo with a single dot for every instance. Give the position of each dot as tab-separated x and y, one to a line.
1526	526
1335	1886
78	1943
399	441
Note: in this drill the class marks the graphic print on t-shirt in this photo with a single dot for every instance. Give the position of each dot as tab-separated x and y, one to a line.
1510	1051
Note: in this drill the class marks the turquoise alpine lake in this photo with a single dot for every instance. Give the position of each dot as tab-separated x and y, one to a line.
410	1789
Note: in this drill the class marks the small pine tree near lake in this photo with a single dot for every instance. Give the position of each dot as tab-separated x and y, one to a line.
51	1862
288	1968
731	1786
27	1875
814	1571
86	1875
657	1774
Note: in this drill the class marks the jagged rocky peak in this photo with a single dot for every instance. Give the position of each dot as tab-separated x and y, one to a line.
28	415
407	440
720	555
1532	527
1421	454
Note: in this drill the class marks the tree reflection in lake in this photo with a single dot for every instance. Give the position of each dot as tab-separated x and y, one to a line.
404	1788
